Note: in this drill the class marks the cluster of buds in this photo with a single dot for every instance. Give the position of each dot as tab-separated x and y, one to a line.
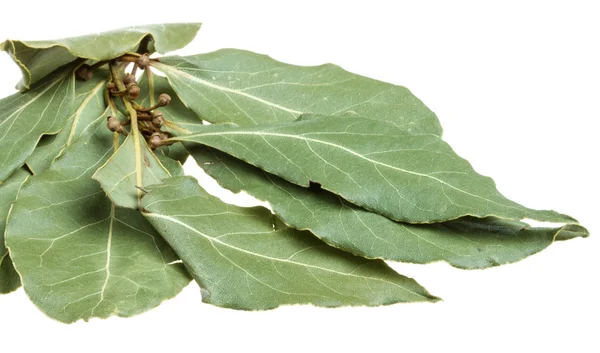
133	90
150	119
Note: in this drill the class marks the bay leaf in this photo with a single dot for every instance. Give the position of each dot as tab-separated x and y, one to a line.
171	165
26	117
78	255
468	242
403	176
242	262
87	107
36	59
245	88
120	177
175	152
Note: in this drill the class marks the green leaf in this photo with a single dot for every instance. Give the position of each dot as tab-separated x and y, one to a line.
246	88
88	106
25	117
9	278
38	58
173	166
120	178
465	243
175	152
78	255
241	262
405	177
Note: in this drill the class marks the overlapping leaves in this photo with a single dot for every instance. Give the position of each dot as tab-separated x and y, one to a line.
372	164
87	106
465	243
354	169
247	264
245	88
78	255
26	117
118	176
37	59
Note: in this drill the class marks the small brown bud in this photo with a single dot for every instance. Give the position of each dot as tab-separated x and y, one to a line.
158	120
133	92
143	61
155	141
84	72
129	78
113	124
111	86
164	99
165	135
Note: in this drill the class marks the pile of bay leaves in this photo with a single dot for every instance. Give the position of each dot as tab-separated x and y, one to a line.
95	223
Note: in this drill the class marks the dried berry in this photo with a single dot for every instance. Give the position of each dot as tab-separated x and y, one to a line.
158	120
165	135
155	141
133	91
113	124
129	78
163	100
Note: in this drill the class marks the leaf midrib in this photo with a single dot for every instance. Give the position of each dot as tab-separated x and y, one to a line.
168	68
83	105
108	256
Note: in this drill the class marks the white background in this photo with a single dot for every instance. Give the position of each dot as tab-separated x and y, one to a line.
516	86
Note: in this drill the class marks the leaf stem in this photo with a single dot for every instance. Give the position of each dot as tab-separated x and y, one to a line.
110	102
128	58
139	108
134	130
150	86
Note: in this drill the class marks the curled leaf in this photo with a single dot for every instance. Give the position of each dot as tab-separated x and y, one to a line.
37	59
